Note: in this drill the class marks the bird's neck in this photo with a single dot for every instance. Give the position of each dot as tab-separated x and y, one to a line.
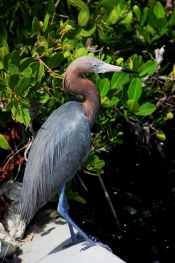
74	84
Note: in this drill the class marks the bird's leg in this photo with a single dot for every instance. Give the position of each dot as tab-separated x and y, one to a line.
63	211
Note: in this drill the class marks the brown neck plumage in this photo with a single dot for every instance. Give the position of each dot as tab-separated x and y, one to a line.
74	84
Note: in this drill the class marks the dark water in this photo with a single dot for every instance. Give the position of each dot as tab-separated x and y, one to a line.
142	189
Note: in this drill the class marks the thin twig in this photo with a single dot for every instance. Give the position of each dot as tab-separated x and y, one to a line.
57	3
109	200
12	157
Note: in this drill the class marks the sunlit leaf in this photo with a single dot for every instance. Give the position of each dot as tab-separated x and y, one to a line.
127	19
110	102
146	109
160	135
83	17
3	143
118	79
43	42
147	68
113	16
87	33
40	72
137	12
46	21
132	106
27	72
159	10
103	87
135	90
78	4
81	52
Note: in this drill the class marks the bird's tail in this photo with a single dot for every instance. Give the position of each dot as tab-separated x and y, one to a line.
14	231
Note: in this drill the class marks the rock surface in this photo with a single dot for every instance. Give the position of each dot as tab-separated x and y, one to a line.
7	225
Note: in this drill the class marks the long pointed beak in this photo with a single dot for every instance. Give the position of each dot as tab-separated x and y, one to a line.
111	68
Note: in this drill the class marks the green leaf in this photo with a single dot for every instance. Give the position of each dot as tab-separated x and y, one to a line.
127	19
4	44
35	67
9	106
114	16
132	106
27	72
87	33
35	25
172	18
1	65
2	85
151	18
82	182
103	87
13	80
135	90
118	79
7	61
110	103
25	117
42	42
81	52
137	12
80	199
24	102
96	79
102	35
16	105
146	109
3	143
144	16
83	17
124	96
15	58
148	68
21	115
160	135
50	7
78	4
46	21
40	72
159	10
108	5
22	86
13	69
161	33
16	114
55	60
3	52
25	63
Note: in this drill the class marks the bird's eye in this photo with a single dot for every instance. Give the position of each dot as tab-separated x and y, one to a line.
95	65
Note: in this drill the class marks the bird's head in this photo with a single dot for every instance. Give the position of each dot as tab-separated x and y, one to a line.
94	65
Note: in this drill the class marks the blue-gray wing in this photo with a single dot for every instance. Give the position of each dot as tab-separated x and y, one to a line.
61	145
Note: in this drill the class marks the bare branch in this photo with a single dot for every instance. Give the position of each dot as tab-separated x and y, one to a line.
57	3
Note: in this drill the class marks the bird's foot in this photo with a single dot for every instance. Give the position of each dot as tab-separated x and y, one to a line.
79	239
95	242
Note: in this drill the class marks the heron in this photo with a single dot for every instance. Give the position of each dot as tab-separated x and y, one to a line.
62	144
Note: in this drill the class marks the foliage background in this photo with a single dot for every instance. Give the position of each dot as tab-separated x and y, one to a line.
39	39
